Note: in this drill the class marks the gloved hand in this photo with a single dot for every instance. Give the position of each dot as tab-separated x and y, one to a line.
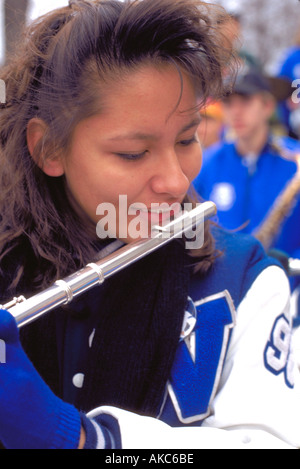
31	416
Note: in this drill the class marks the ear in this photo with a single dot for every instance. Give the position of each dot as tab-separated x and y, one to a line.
36	129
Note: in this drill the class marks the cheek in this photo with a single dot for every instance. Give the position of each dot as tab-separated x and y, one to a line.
112	184
88	188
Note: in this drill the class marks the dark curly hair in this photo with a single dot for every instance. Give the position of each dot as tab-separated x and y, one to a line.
55	75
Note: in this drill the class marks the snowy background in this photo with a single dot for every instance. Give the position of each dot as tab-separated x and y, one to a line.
268	26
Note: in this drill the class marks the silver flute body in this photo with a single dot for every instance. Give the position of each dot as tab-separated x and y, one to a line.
63	291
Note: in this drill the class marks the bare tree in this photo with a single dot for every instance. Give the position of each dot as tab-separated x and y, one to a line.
269	28
15	16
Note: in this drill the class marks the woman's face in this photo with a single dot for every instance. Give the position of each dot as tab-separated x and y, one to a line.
142	147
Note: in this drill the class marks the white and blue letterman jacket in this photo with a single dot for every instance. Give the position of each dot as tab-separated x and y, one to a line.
233	383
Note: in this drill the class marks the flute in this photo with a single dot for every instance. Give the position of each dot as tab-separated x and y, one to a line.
63	291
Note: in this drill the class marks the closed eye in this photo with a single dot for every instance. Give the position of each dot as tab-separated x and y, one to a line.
131	156
187	142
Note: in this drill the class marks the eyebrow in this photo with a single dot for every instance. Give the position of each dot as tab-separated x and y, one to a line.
142	136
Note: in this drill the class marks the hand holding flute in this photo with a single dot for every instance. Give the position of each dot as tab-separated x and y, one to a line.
26	401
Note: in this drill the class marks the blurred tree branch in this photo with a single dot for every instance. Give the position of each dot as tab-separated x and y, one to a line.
15	16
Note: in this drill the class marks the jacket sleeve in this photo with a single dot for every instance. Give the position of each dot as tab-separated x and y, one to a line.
259	389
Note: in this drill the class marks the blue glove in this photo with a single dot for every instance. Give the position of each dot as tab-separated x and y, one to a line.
31	416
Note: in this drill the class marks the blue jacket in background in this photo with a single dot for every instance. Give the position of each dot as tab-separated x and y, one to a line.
244	190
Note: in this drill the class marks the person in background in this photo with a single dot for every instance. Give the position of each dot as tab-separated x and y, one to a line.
245	175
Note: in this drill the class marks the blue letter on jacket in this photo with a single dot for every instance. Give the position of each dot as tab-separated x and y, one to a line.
199	361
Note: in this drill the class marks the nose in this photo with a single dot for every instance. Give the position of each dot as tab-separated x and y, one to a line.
169	177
